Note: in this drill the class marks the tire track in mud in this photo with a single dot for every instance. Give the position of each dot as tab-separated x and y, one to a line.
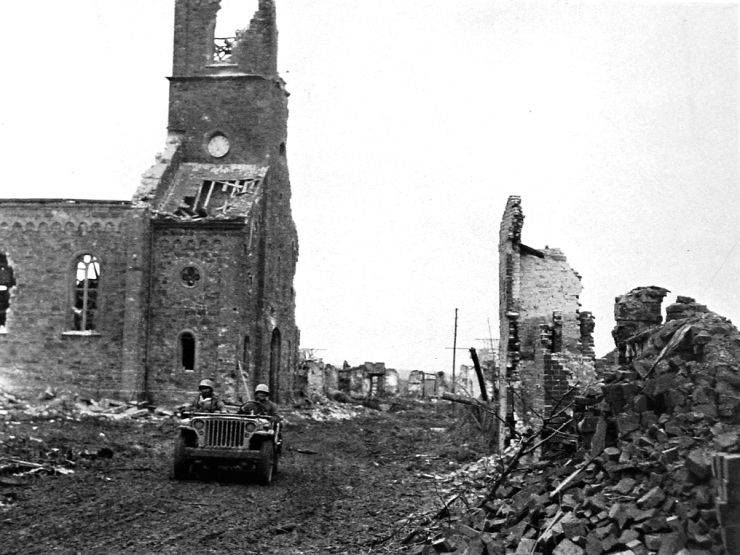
365	477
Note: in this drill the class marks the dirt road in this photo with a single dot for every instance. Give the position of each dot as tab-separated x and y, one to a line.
367	474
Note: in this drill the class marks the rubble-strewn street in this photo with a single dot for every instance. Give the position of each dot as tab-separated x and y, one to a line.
102	484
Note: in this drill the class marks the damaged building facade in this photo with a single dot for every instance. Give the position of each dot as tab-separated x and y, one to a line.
370	380
192	278
546	343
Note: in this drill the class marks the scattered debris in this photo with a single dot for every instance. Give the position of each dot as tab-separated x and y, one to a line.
640	481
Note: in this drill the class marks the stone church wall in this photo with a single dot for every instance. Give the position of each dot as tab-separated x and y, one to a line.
39	348
211	309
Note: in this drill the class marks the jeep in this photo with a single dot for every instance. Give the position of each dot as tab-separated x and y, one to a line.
248	436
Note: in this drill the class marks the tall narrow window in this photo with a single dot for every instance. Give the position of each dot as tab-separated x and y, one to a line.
187	351
275	350
85	306
245	354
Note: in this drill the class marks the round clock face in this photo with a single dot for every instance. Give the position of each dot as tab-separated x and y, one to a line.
218	146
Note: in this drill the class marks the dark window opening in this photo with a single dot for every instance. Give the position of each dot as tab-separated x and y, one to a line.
7	281
187	351
190	276
375	387
85	305
275	363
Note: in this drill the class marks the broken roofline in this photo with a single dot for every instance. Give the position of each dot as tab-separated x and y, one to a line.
529	250
65	201
201	224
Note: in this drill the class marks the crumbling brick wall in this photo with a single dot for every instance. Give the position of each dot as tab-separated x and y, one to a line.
726	468
546	343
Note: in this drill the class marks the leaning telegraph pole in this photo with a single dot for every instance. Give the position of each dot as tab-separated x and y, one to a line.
454	352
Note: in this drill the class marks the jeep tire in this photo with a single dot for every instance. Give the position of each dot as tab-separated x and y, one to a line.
181	466
266	463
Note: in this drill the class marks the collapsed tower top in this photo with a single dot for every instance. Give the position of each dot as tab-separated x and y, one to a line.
199	52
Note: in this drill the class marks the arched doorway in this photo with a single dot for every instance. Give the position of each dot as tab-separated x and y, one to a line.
275	350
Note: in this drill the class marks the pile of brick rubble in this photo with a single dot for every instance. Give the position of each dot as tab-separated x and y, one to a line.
640	480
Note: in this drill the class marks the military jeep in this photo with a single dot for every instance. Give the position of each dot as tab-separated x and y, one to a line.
248	438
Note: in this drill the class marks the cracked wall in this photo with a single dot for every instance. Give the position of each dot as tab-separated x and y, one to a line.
197	270
546	341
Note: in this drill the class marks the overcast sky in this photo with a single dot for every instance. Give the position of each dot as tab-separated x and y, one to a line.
411	122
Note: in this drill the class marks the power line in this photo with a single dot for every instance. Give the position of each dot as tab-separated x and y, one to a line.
723	262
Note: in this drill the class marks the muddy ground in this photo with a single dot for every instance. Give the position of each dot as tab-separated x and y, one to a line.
367	474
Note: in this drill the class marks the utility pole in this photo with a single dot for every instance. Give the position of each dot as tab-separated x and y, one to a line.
454	352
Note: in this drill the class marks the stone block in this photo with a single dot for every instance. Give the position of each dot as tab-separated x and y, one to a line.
525	546
652	498
627	422
699	464
671	544
567	547
625	486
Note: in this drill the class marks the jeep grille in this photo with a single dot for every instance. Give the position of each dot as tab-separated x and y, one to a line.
224	433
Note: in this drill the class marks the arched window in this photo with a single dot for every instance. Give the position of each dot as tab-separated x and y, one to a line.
86	298
186	351
7	281
232	16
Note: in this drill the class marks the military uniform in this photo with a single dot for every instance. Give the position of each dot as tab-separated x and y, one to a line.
208	404
271	409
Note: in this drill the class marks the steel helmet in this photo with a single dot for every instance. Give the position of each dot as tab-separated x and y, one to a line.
206	383
262	388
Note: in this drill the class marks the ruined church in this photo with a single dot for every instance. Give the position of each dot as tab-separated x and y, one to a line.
193	277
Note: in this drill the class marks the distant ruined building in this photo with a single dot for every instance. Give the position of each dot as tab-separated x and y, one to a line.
193	277
546	343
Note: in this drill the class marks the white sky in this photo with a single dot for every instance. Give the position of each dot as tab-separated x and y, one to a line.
411	123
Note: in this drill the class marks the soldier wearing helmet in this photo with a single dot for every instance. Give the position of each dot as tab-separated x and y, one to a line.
261	394
207	400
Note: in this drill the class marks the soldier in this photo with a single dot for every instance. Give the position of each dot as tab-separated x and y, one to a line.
207	401
261	394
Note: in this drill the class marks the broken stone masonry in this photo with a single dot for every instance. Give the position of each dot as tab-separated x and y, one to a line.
193	277
636	313
652	465
546	344
370	380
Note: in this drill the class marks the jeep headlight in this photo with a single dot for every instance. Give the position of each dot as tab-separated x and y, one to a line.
250	427
199	425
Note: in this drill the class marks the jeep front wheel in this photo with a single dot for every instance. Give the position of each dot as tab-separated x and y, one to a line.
181	466
266	464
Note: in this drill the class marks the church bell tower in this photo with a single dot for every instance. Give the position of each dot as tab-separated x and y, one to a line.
224	244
